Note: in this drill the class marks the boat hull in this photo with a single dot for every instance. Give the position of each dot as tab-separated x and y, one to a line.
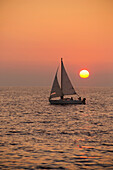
65	102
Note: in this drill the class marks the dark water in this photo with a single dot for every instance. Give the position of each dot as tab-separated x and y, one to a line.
37	135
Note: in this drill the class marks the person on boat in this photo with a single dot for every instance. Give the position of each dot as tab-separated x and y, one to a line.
84	100
71	98
79	98
62	97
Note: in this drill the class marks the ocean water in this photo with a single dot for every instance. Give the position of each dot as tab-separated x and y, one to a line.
37	135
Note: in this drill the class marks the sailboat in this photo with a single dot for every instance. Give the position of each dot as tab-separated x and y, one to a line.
65	89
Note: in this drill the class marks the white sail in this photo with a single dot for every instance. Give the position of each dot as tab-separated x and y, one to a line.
56	90
66	86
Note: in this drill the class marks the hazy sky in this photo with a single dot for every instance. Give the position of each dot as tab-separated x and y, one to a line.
35	34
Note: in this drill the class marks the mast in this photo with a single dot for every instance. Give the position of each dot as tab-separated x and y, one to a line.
62	76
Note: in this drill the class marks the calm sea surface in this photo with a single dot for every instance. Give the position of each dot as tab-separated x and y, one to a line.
37	135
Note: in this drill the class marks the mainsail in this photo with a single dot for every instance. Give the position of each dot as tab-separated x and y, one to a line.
56	90
66	86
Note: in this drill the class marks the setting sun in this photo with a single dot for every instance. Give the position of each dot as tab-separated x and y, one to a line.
84	73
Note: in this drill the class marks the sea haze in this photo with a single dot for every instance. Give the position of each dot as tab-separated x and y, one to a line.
37	135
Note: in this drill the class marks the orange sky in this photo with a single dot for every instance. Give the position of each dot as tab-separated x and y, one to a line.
34	34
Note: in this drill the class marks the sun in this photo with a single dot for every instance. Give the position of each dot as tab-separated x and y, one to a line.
84	73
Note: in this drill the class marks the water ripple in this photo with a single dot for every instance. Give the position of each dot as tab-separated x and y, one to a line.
37	135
